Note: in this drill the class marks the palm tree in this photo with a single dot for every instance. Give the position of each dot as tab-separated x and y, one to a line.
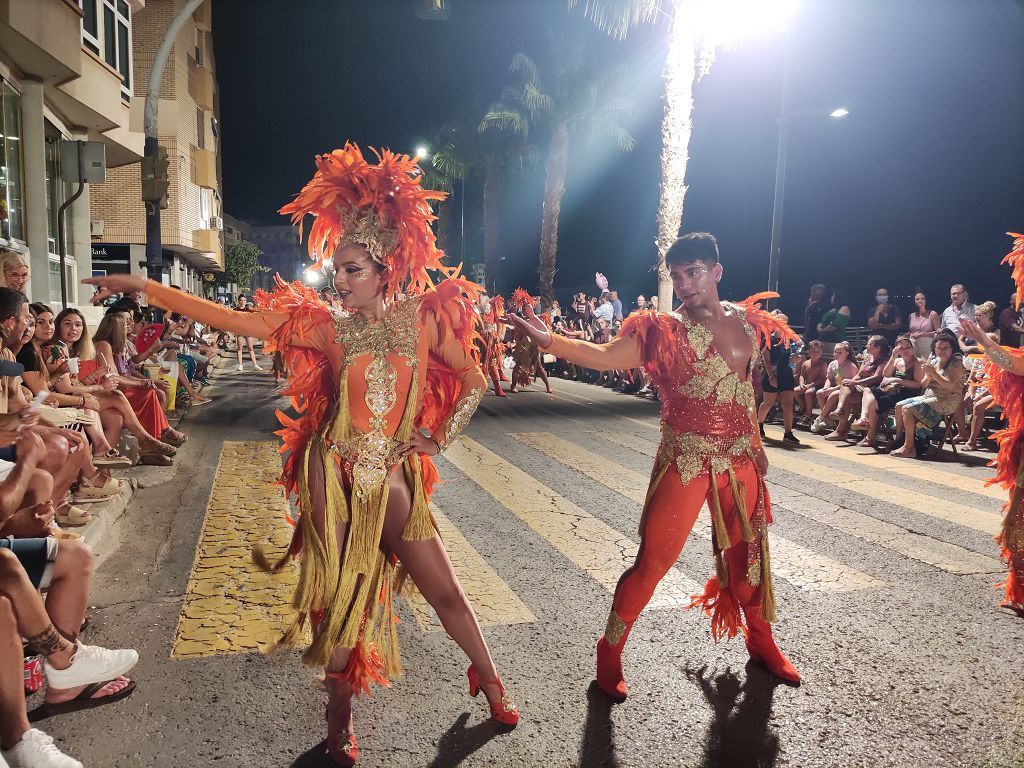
565	102
436	178
463	153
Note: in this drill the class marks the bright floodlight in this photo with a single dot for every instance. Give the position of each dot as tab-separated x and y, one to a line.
840	112
421	152
726	23
311	276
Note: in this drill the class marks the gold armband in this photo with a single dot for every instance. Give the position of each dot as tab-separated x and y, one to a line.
1000	357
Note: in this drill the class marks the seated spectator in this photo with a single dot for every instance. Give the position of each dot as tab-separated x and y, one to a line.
95	378
843	367
944	377
813	376
652	304
79	676
69	455
13	270
24	486
1010	324
777	383
852	390
641	302
832	328
68	410
923	326
167	349
885	319
985	314
979	399
901	379
959	307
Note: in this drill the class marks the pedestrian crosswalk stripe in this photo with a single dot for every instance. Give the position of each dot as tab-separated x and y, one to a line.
909	468
940	554
945	556
805	569
492	599
590	544
943	509
231	606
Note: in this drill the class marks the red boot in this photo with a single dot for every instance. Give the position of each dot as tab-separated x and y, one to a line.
762	648
341	740
609	658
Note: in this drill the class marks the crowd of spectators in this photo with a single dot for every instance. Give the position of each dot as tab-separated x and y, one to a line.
75	406
917	378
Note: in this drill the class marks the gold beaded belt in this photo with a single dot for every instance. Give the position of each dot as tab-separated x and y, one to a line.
695	454
372	456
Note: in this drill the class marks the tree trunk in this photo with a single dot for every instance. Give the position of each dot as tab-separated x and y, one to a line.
554	188
443	224
492	201
676	126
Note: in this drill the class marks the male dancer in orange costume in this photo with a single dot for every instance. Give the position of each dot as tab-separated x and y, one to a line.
701	359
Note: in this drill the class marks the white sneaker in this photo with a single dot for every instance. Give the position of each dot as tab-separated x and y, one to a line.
91	664
37	750
241	367
818	426
256	367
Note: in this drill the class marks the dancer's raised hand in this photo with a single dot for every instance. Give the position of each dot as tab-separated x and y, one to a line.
114	284
532	326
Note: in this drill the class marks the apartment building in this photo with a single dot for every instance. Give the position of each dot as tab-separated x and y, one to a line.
192	224
65	74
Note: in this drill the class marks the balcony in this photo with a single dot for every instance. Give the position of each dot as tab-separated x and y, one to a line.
200	85
204	168
43	38
203	17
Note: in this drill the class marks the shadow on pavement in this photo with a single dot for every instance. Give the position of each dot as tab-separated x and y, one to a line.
738	736
598	747
315	757
459	742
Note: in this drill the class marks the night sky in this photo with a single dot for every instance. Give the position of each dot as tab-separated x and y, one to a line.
915	188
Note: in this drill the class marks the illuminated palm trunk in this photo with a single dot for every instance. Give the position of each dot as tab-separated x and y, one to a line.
554	189
676	127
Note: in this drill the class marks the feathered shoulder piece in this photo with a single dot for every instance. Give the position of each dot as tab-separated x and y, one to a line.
1015	258
520	299
656	332
451	304
381	206
311	386
545	317
765	323
1007	391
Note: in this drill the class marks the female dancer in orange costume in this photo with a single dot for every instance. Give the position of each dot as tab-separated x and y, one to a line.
526	355
1006	377
701	359
366	384
492	312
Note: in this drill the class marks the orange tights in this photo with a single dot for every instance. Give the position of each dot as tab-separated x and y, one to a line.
666	525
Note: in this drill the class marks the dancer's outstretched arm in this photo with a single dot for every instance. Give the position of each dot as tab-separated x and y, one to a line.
258	324
621	352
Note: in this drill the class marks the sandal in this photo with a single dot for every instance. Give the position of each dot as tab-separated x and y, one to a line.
85	700
70	515
112	458
156	446
341	741
90	491
174	437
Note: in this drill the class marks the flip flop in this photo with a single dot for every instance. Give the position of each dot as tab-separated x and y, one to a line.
84	700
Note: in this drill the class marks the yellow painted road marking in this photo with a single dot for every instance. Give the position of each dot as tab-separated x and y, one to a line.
230	605
943	509
599	550
910	468
947	557
805	569
491	598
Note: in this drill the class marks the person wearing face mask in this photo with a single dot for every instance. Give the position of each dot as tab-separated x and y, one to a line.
885	318
700	358
386	386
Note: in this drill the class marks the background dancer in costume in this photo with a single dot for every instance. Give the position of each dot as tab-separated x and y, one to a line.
526	355
492	314
366	386
700	358
1006	384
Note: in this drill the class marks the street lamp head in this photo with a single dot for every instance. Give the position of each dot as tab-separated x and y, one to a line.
312	276
839	112
422	152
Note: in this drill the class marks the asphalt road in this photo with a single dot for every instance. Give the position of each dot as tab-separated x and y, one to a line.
884	579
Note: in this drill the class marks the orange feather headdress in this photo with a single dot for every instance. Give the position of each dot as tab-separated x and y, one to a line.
381	206
520	298
1015	258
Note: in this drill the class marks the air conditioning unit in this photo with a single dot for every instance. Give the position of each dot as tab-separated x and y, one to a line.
216	222
96	227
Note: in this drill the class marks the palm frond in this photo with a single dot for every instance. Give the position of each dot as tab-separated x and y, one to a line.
524	65
535	101
505	119
617	17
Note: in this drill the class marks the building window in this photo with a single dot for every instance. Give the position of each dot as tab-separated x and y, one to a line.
57	191
90	25
117	42
200	129
69	277
12	221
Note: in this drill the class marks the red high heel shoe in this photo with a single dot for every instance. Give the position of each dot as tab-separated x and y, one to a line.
504	711
762	648
341	742
609	671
